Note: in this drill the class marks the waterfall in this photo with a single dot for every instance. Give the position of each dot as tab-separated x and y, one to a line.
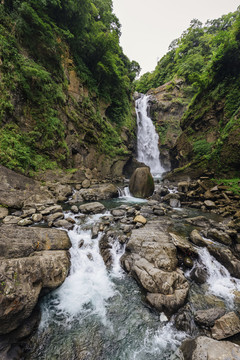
220	282
147	138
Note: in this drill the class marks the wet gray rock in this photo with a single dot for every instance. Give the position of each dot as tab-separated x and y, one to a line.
197	239
200	221
183	186
204	348
228	325
208	317
199	274
118	213
94	231
220	236
150	257
92	208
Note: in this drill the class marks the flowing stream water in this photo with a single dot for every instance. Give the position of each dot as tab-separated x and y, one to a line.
99	313
147	138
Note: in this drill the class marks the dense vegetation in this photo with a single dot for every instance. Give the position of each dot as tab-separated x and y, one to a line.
191	56
208	59
35	37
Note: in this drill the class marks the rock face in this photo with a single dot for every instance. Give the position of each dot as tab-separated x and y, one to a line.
151	258
141	183
204	348
228	325
33	261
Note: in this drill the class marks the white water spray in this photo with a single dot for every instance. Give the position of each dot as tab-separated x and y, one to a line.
147	138
220	282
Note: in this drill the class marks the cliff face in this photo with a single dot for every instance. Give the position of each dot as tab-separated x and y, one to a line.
65	93
167	105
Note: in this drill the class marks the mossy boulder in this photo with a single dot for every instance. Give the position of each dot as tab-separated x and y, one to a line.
141	183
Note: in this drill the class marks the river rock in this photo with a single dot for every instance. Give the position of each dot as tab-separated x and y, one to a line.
204	348
197	239
86	183
209	204
140	219
3	212
51	210
62	223
11	220
92	208
183	186
208	317
37	217
183	244
54	217
141	184
74	209
118	213
28	268
220	236
150	257
25	222
99	192
228	325
200	221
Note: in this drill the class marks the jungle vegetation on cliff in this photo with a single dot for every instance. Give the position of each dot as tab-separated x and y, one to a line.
36	37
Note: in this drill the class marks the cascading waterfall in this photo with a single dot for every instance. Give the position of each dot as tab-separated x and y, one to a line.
220	282
147	138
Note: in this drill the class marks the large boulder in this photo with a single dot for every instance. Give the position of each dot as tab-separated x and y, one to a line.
32	262
141	183
151	258
204	348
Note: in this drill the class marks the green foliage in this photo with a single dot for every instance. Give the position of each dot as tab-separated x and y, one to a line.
201	148
17	153
232	184
191	55
35	37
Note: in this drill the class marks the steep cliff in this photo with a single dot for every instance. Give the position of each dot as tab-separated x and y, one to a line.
65	87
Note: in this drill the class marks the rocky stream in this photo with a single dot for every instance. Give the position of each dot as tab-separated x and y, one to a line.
90	272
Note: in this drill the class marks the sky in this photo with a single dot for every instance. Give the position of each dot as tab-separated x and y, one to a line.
149	26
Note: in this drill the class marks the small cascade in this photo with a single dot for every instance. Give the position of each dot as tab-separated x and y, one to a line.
220	282
147	138
125	195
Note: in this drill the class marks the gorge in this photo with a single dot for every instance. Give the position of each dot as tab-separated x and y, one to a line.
87	270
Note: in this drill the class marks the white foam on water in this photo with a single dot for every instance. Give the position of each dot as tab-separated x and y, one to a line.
219	280
88	286
125	195
117	251
165	340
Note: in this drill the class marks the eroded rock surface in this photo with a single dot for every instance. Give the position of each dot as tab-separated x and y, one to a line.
151	258
33	261
204	348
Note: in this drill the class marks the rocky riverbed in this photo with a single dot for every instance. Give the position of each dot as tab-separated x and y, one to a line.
162	236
